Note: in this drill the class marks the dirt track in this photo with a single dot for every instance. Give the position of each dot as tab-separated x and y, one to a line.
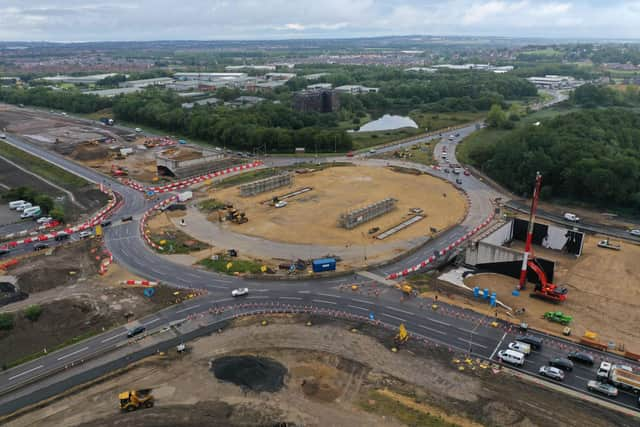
335	377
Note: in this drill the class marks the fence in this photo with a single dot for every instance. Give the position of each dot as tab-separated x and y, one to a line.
354	218
267	184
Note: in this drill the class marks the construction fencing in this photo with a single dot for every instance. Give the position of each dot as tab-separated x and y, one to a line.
354	218
267	184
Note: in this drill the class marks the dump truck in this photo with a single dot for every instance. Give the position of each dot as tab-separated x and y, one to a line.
135	399
620	376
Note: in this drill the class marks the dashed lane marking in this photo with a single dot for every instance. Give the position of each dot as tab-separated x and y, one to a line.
26	372
188	308
321	301
358	307
394	317
73	353
432	330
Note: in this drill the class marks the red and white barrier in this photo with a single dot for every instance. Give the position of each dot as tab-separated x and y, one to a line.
179	185
108	210
106	262
146	283
150	212
442	251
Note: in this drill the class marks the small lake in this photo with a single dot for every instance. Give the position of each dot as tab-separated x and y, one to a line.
388	122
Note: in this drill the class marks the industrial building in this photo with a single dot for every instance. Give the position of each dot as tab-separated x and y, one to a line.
356	89
554	82
318	100
93	79
315	76
317	86
110	93
250	67
208	101
479	67
209	76
159	81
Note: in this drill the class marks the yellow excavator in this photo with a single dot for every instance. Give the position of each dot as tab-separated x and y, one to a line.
135	399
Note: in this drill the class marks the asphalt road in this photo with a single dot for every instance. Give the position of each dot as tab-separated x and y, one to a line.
451	326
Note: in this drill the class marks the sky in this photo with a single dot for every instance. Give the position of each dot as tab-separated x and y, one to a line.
91	20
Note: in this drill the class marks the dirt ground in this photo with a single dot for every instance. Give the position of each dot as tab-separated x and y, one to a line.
75	300
335	377
312	217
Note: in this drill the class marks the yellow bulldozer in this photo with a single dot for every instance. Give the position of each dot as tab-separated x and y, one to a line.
135	399
234	215
405	288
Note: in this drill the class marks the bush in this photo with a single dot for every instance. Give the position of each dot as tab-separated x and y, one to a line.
33	312
6	321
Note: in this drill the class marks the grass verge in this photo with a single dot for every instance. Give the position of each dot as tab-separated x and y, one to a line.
246	177
177	242
41	167
41	353
225	264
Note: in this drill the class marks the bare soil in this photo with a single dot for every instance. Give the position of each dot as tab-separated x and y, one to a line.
335	377
312	218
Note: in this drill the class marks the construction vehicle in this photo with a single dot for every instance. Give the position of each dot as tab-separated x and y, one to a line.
609	244
558	317
544	289
135	399
406	288
235	216
402	336
119	171
620	376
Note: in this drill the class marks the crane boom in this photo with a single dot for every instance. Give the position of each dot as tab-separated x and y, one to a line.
528	252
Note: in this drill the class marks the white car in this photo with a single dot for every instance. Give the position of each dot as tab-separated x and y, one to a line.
138	130
23	207
85	234
551	372
635	232
280	204
239	292
3	136
44	220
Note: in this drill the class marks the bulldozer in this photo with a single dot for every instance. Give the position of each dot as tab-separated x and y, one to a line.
135	399
235	216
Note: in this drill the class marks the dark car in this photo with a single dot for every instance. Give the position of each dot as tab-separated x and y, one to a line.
135	331
61	236
40	246
4	251
534	342
580	357
106	223
562	363
127	218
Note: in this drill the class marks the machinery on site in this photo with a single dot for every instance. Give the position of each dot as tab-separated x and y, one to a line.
135	399
544	289
402	336
232	214
119	171
558	317
405	288
609	244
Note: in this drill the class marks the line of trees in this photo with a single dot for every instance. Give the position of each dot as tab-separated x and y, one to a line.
588	156
72	101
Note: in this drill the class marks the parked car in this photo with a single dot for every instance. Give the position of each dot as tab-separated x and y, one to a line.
603	388
135	331
466	172
458	181
580	357
562	363
551	372
40	246
635	232
239	292
105	223
533	341
44	219
24	206
138	130
372	151
16	203
85	234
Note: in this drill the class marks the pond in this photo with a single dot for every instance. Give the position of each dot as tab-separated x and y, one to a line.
250	372
388	122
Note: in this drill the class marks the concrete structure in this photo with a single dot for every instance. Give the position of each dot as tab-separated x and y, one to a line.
356	217
481	67
182	165
279	76
208	76
319	100
554	82
267	184
250	67
78	80
160	81
356	89
319	86
207	101
109	93
268	86
246	100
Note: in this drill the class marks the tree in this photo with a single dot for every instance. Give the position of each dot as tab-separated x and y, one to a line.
33	312
496	118
6	321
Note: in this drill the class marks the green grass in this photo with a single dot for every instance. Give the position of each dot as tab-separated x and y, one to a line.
543	52
41	353
210	205
175	242
41	167
423	154
380	404
246	177
363	140
238	266
436	121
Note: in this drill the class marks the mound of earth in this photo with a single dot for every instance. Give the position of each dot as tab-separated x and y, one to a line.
89	152
250	372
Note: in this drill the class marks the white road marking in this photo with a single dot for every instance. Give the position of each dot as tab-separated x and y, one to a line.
472	343
399	310
25	372
151	321
304	292
112	338
498	346
358	307
582	378
394	317
432	330
438	321
258	297
223	300
74	353
188	308
295	298
260	290
362	301
323	301
328	295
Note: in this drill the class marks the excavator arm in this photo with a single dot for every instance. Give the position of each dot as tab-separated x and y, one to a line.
545	289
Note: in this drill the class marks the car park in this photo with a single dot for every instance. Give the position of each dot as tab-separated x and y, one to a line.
581	357
135	331
604	388
533	341
239	292
551	372
562	363
40	246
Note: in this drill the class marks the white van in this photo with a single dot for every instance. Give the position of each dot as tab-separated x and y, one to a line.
29	212
571	217
16	203
511	356
24	206
522	347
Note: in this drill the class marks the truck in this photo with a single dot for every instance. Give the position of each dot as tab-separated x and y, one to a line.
323	264
620	376
135	399
184	196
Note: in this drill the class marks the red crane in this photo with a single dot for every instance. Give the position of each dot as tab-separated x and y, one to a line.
544	289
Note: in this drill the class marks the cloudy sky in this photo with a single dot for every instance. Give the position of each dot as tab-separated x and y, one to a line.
88	20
